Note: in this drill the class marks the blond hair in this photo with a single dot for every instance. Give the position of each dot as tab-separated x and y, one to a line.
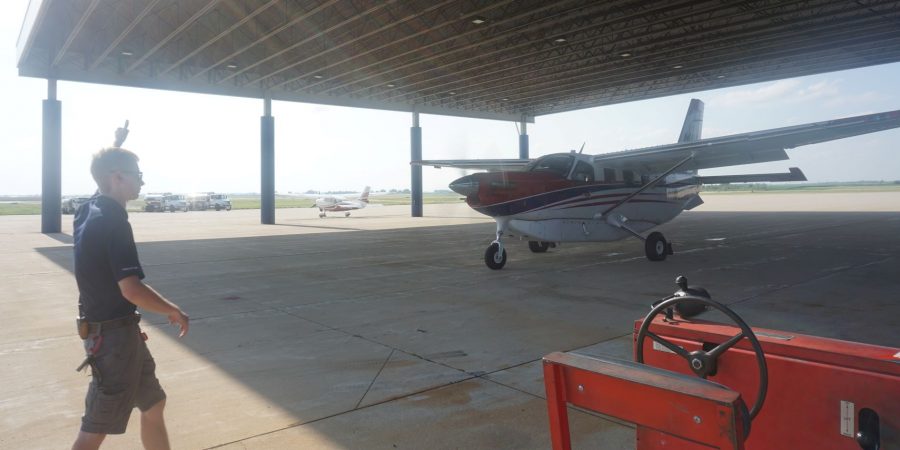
111	159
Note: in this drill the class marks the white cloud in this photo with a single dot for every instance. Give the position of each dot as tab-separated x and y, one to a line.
766	93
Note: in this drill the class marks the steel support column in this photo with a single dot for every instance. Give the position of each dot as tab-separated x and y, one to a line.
267	164
523	140
51	180
415	134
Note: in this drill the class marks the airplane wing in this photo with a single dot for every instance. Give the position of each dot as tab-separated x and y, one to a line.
476	164
745	148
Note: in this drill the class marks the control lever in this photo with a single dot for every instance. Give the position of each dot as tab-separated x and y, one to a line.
686	309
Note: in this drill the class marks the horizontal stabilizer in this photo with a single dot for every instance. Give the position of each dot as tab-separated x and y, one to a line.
795	174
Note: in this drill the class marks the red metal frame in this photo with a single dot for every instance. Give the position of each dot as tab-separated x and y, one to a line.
817	387
697	412
809	378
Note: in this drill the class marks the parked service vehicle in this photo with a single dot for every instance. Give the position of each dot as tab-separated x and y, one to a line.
177	202
198	202
71	204
219	202
154	202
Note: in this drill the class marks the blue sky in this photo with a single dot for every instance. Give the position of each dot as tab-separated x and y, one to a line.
190	142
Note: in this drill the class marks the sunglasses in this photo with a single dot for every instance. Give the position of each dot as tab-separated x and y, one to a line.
140	175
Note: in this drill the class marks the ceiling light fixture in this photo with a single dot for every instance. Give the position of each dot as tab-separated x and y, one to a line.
318	77
505	99
127	53
720	76
391	85
677	66
232	66
452	93
479	20
624	54
559	40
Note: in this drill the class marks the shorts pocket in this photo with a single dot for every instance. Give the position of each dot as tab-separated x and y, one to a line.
108	412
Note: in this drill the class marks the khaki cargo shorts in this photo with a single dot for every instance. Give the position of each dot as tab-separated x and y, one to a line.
123	376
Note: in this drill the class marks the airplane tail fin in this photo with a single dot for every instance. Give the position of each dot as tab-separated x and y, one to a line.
693	122
364	197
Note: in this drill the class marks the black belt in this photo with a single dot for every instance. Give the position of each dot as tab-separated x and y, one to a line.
97	327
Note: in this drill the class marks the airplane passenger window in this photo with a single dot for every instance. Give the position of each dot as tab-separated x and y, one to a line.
584	172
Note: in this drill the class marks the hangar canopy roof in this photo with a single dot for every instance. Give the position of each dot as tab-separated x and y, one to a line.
499	59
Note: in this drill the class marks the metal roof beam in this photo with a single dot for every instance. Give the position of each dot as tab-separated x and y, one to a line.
483	67
269	35
313	37
75	31
390	43
608	59
559	17
369	34
221	35
118	40
773	41
173	34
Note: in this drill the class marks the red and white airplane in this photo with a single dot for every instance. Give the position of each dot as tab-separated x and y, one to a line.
337	204
573	197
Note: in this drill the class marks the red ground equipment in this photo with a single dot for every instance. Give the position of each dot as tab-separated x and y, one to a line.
806	392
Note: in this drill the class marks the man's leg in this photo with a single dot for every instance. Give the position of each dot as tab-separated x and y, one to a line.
153	428
88	441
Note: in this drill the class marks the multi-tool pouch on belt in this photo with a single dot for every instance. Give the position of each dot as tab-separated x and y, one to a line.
83	327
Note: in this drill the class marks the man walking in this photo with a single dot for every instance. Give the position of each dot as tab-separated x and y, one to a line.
109	276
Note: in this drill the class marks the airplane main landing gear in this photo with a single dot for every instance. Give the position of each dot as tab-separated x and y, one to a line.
539	246
656	247
346	214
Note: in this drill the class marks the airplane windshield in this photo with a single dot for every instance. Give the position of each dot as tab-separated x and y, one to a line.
558	164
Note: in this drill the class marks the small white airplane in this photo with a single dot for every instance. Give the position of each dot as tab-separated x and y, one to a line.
572	197
337	204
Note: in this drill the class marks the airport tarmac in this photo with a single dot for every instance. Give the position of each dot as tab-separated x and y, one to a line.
381	331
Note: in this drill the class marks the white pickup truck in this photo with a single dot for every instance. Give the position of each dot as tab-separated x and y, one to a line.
154	202
177	202
219	202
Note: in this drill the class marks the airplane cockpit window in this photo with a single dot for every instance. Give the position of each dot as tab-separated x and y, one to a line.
558	164
583	173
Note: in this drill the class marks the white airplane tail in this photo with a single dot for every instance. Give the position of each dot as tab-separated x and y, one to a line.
364	197
693	122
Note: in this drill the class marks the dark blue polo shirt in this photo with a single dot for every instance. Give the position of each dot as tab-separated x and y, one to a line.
104	254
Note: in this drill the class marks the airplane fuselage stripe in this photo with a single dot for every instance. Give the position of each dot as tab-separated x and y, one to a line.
573	197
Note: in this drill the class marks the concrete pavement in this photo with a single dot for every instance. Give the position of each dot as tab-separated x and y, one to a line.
383	331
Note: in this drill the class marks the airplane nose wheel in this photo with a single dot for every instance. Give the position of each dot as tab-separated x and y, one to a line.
495	256
701	362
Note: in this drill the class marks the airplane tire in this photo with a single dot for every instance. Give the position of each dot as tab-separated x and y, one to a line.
347	214
538	246
218	207
656	247
492	259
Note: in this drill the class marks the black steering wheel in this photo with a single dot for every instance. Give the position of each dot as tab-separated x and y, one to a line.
701	362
